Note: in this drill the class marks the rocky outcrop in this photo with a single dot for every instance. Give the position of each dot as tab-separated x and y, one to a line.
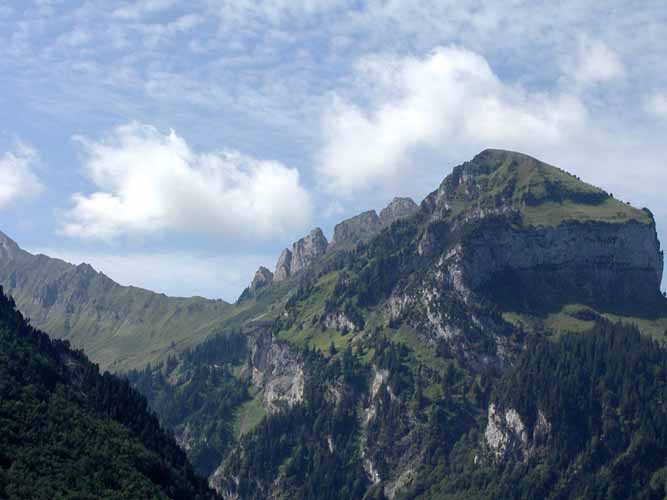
304	252
263	277
284	266
340	322
363	226
507	436
357	228
397	209
308	249
277	371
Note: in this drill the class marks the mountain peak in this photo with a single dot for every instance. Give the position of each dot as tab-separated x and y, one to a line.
9	249
499	181
397	209
499	156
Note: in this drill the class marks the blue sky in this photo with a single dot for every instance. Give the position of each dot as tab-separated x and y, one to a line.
179	145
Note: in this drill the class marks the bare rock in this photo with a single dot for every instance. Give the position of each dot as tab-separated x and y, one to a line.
308	249
397	209
284	266
262	278
357	228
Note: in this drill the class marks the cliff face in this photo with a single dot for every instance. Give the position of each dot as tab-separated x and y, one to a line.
304	252
524	235
262	278
530	229
356	228
308	249
365	225
589	262
284	266
277	372
397	209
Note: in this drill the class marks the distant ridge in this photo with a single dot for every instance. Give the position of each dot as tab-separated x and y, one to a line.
119	327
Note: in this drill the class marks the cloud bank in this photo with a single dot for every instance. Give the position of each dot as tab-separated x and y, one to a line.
17	178
448	98
149	182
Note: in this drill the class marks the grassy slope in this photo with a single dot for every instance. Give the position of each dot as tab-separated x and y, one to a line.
577	318
119	327
555	195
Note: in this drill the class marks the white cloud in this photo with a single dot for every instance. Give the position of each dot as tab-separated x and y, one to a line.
597	63
442	101
174	273
657	104
148	182
17	179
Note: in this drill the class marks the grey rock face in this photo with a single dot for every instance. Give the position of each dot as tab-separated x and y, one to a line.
303	253
365	225
356	228
397	209
277	372
590	262
506	435
262	278
307	249
284	266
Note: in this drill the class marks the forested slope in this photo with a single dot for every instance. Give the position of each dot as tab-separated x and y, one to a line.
70	432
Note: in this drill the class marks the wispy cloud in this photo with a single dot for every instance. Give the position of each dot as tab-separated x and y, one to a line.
596	63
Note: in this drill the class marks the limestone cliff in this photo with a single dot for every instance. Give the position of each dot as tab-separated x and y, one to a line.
277	372
262	278
507	436
284	266
304	252
508	228
356	228
308	249
397	209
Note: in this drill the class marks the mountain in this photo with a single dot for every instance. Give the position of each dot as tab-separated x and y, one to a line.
70	432
383	365
119	327
125	327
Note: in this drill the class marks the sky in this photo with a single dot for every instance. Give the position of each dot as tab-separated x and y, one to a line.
177	146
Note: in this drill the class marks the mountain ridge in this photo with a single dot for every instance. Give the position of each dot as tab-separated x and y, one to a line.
518	192
95	313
